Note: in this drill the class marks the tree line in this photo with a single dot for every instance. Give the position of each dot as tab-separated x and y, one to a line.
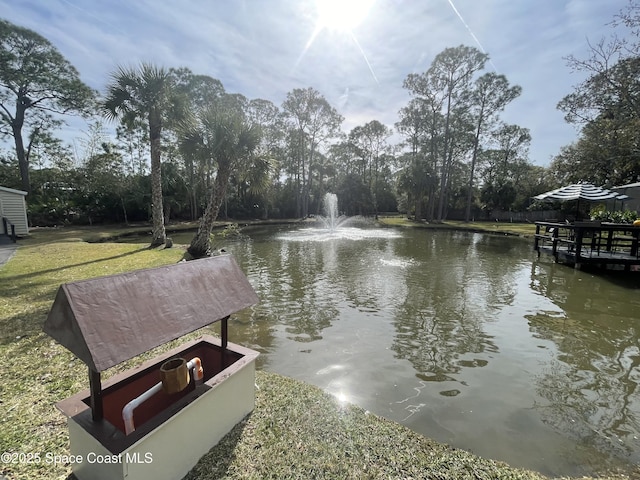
187	149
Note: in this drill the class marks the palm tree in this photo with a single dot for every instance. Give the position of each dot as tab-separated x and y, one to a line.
223	134
144	93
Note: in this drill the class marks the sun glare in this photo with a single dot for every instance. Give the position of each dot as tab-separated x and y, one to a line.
342	14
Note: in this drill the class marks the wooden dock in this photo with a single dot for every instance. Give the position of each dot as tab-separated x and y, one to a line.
598	244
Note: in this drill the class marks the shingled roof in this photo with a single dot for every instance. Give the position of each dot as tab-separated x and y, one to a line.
105	321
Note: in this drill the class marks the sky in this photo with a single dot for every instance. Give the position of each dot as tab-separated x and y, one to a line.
266	48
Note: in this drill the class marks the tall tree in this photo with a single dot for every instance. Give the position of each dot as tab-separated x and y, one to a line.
262	181
452	70
606	107
444	87
421	122
101	185
613	92
606	153
504	165
611	69
370	141
36	84
133	142
223	134
490	94
314	121
145	92
199	92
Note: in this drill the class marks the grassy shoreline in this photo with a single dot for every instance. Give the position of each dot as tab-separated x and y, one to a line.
296	430
526	230
110	233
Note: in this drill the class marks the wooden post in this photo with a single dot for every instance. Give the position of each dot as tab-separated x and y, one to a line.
95	387
634	243
554	243
579	237
610	240
224	339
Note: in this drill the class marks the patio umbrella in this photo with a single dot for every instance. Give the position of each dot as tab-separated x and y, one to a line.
578	191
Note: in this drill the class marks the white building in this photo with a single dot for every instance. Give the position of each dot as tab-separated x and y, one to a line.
13	207
633	191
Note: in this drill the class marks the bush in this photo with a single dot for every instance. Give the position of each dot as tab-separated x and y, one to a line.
627	216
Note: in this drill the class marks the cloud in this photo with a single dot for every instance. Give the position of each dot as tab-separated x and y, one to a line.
257	48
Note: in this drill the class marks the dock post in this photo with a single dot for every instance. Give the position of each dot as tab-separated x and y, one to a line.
579	237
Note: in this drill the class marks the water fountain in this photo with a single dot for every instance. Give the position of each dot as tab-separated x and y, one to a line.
332	219
332	225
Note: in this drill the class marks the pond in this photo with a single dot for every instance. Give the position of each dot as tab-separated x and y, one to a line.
467	338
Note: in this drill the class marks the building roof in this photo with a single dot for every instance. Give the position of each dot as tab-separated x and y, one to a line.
629	185
13	190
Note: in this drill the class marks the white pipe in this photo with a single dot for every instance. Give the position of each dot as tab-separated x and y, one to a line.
198	373
127	411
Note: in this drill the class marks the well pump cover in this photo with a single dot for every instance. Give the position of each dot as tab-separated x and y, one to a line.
105	321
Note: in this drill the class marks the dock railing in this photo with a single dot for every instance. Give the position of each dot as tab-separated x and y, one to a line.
589	242
551	233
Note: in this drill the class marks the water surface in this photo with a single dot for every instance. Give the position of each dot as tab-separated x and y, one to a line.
466	338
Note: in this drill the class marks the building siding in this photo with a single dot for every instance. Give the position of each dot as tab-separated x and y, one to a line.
14	207
633	190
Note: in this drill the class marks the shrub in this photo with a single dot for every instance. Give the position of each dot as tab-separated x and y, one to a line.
600	213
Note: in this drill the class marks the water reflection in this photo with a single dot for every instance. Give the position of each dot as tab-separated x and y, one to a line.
450	296
591	388
291	283
465	338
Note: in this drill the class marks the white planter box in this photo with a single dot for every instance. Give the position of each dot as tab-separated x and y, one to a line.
172	432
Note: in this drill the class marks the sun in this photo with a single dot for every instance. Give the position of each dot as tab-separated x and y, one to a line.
342	14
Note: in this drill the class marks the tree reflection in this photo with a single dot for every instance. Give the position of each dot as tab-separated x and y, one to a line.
591	388
450	297
289	283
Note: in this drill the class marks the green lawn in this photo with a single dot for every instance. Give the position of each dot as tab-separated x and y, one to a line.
296	431
521	229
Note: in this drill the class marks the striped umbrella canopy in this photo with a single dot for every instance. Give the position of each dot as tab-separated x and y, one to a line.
579	191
